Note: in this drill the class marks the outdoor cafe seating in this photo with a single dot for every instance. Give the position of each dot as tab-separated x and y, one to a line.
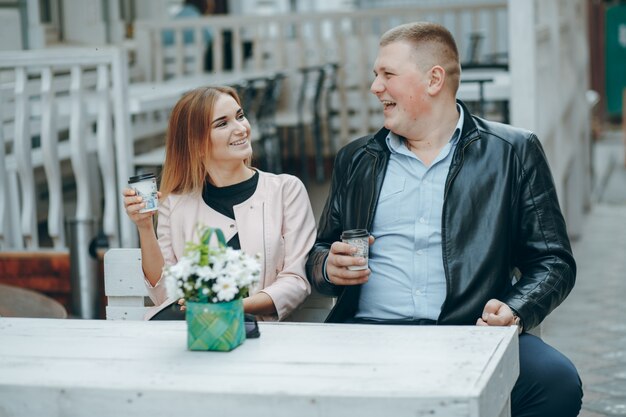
22	302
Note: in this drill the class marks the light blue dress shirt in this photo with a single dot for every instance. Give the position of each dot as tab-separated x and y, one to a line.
408	279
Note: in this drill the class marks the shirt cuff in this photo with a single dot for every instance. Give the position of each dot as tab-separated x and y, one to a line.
324	271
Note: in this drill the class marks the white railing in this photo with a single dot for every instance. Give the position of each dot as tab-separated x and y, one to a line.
284	42
64	120
68	112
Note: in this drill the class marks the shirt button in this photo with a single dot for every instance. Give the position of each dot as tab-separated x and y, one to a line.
418	292
232	226
422	220
420	252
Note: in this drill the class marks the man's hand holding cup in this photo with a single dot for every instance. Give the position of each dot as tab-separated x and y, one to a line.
347	260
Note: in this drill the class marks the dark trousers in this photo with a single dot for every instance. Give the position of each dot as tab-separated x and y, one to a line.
548	383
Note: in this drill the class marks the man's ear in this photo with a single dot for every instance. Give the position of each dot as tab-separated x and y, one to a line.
436	79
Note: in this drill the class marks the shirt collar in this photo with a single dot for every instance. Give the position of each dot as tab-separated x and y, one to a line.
395	142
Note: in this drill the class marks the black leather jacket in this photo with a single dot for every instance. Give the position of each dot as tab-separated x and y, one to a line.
500	217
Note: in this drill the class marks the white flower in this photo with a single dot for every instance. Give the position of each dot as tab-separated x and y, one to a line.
225	288
225	276
172	286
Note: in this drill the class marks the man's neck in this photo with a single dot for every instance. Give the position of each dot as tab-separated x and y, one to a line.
433	136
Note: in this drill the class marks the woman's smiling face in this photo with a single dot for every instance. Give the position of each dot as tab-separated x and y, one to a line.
230	132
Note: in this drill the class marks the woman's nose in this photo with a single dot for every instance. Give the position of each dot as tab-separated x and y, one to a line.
240	127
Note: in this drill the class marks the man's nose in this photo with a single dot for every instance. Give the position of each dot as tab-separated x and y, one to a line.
376	86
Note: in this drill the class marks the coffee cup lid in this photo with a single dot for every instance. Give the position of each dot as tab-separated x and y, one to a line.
140	177
354	233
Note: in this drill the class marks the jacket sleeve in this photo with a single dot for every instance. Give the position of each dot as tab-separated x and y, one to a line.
542	249
298	231
329	231
158	293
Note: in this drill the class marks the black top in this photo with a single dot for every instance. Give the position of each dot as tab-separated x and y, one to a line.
223	199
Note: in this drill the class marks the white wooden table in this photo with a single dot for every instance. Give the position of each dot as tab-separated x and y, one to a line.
51	367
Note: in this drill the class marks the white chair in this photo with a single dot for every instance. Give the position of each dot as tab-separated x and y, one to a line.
126	292
123	285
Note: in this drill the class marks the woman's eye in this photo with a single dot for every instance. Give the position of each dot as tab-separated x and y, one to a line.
220	124
241	116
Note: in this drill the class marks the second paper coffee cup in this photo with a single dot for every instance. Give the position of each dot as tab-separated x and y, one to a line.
359	238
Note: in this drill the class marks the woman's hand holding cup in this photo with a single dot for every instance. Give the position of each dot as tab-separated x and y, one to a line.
133	204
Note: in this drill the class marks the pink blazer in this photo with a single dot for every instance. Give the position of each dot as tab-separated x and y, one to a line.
276	222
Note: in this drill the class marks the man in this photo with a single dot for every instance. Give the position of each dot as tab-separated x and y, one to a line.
458	207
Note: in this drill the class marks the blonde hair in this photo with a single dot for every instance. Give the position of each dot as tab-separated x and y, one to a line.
437	44
188	140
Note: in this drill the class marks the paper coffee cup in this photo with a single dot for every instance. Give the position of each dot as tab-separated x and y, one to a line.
359	238
146	187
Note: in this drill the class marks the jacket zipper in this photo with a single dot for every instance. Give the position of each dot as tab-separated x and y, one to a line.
265	257
370	215
456	171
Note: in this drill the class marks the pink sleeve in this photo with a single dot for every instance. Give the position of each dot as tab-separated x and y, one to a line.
298	230
158	293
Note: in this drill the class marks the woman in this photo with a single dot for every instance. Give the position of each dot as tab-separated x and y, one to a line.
207	180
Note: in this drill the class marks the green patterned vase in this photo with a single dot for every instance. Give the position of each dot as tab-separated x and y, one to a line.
215	326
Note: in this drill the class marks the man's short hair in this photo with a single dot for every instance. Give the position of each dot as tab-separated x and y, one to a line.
434	45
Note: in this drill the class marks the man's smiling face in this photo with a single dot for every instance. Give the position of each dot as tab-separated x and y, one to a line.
401	87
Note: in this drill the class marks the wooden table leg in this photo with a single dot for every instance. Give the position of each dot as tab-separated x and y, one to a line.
506	411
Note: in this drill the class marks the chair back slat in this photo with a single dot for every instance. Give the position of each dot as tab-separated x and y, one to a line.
52	166
106	155
22	151
5	237
78	148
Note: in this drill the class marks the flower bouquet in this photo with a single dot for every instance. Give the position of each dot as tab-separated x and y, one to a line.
213	281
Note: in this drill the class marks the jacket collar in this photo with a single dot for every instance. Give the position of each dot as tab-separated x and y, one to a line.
377	142
470	130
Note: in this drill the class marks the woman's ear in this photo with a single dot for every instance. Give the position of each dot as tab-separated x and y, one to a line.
436	80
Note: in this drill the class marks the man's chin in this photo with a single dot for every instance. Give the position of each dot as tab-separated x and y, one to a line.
387	124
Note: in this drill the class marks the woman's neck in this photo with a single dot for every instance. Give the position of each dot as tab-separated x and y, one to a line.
225	176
